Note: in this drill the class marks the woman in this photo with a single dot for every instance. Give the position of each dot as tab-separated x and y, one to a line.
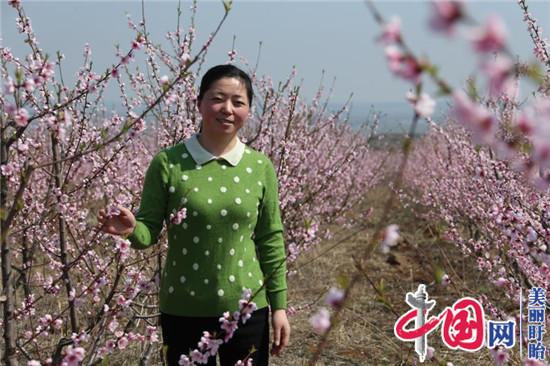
232	236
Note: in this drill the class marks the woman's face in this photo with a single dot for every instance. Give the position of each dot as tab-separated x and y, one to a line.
224	107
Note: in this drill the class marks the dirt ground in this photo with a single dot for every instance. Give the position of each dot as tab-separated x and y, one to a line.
364	335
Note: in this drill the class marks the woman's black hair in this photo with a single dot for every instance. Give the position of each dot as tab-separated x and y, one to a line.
225	71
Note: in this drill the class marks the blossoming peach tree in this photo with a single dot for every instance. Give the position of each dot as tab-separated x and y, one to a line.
484	176
72	294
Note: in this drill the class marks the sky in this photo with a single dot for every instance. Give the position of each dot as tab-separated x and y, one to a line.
338	37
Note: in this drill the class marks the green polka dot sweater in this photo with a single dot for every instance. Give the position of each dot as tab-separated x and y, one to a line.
231	239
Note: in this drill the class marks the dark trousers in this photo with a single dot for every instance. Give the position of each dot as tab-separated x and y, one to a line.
181	334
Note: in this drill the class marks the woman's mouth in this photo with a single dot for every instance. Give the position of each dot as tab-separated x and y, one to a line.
225	121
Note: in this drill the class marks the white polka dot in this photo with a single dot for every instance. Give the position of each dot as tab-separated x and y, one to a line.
198	167
182	279
206	253
232	251
184	200
261	282
249	274
220	292
195	266
220	240
206	281
238	201
241	238
209	201
250	226
224	167
248	214
184	225
247	190
185	155
260	162
195	213
243	288
184	251
196	239
170	289
219	266
184	177
259	183
223	189
240	263
171	166
236	179
173	263
247	151
175	237
253	259
210	179
248	170
235	226
196	189
192	293
223	212
208	227
232	278
171	189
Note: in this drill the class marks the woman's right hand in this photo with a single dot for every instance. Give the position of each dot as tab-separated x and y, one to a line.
121	224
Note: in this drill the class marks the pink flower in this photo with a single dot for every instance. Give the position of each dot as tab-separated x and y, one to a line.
391	31
164	80
184	361
241	363
185	58
21	117
73	356
122	343
445	280
198	357
490	37
531	235
500	72
430	351
335	297
179	216
501	282
113	325
6	54
525	124
500	356
424	105
402	64
138	42
246	307
229	325
446	13
122	245
320	321
477	118
9	86
29	85
7	170
390	236
152	335
33	363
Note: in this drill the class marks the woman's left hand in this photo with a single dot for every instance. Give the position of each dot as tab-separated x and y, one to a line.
281	331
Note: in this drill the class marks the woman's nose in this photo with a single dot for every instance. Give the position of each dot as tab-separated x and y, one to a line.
227	107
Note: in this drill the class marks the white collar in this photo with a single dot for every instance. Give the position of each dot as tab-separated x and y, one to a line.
202	156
